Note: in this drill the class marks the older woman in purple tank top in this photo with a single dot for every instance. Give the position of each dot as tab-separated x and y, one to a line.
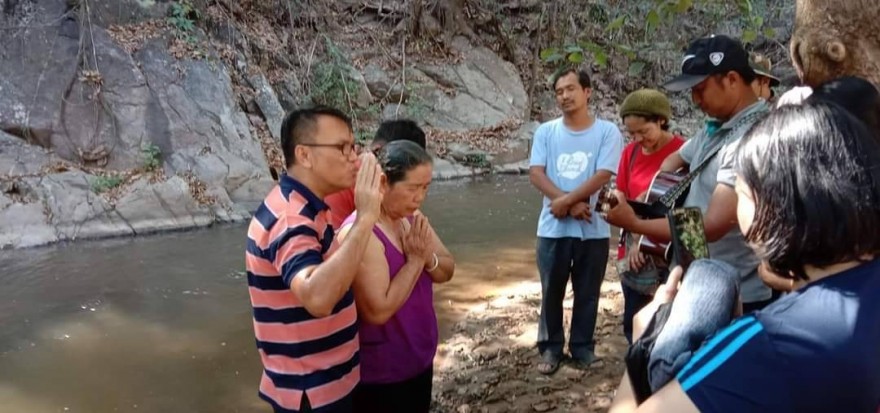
394	289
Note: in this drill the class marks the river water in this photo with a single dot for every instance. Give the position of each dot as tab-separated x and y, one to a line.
163	323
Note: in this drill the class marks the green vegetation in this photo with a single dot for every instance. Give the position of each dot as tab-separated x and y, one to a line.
477	160
103	184
183	18
633	36
334	83
416	107
363	137
152	157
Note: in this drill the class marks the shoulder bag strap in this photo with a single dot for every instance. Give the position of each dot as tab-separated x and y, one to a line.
670	197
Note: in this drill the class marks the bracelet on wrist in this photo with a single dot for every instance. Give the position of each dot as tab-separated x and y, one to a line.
435	264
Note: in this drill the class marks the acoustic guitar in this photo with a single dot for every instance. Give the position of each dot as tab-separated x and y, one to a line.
668	190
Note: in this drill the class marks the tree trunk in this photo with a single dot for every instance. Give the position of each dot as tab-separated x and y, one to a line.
836	38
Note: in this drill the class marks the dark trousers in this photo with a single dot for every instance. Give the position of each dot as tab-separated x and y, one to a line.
633	301
408	396
584	262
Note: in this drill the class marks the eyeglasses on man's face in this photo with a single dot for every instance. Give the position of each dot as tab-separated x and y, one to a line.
346	148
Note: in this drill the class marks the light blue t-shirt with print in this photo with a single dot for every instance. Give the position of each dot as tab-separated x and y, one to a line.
571	158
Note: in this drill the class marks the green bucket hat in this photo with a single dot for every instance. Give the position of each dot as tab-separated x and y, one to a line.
763	67
646	102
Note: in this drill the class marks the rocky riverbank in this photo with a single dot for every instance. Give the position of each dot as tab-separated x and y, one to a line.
113	122
125	117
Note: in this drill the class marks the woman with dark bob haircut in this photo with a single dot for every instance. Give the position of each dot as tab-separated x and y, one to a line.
808	191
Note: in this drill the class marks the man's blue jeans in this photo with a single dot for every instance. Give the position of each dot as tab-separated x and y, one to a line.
584	261
704	304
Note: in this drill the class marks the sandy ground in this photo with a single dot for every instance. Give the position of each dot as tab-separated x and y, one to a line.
489	360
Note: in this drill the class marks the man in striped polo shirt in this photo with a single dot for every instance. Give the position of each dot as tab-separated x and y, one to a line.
299	279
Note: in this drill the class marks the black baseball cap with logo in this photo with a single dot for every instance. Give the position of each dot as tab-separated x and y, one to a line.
708	56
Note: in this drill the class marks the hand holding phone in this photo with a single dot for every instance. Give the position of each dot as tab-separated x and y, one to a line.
688	237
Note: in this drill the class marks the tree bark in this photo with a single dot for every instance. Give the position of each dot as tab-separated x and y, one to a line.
833	38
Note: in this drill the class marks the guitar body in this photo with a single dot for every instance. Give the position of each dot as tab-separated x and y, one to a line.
668	190
665	187
662	183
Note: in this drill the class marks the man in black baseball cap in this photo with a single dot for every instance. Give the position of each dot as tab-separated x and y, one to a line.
716	69
717	72
710	56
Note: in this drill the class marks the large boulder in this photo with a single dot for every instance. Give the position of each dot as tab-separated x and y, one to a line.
290	93
105	105
186	108
108	12
67	206
360	92
18	158
446	170
207	133
480	91
518	146
36	65
23	223
381	84
74	209
267	101
162	206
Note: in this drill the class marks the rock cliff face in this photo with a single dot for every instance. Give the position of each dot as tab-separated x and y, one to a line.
84	117
122	117
485	90
109	128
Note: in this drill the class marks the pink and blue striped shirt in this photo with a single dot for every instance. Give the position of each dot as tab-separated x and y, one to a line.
301	354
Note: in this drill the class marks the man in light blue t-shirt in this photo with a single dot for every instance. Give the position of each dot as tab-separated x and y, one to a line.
572	157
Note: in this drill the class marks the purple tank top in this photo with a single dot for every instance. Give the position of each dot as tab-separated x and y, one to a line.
405	345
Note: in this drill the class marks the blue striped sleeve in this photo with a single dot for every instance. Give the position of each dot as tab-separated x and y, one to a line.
737	370
299	262
300	248
717	350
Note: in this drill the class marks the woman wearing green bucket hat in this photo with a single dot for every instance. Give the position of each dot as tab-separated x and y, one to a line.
646	114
